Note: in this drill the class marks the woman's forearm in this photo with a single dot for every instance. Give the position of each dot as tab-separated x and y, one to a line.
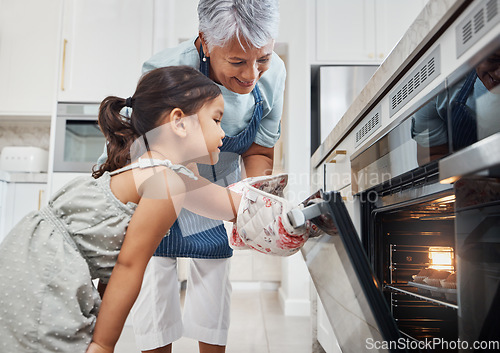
257	161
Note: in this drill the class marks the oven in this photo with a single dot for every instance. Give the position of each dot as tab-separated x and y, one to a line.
409	236
430	199
78	140
435	249
426	184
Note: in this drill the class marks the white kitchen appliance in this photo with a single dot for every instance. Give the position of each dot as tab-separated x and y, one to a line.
24	159
334	88
78	140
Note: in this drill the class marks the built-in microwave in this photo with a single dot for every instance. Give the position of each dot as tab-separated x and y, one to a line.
78	140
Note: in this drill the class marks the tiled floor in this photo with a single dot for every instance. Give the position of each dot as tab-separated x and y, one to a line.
257	326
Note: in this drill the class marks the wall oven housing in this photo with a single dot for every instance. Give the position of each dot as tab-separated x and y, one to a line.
425	186
429	192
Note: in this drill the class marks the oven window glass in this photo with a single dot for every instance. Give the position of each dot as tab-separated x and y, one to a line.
84	142
474	108
416	260
429	129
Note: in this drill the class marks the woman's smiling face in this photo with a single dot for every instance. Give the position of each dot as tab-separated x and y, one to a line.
239	68
488	71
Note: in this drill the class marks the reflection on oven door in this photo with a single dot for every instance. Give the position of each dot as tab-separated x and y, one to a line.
346	285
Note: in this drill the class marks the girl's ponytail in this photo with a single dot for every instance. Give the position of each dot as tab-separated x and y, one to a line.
119	133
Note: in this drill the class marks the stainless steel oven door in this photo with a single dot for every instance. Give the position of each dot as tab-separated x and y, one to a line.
345	283
78	139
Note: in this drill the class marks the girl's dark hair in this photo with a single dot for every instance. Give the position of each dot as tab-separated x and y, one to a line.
158	92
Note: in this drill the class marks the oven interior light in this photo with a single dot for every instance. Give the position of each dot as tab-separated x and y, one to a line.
437	218
441	258
446	199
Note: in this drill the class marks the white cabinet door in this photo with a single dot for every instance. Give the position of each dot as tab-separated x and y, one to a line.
185	19
18	200
27	197
104	44
393	18
3	223
344	30
326	336
361	31
29	39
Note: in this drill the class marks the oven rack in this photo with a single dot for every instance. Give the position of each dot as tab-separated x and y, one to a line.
408	291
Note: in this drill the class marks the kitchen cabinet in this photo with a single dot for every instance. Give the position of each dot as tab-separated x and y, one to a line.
344	30
103	46
186	26
29	46
326	336
17	200
361	31
337	170
392	20
59	179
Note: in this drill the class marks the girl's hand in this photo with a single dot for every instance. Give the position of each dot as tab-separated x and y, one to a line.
95	348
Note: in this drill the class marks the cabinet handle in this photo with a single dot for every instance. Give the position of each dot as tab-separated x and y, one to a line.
40	196
335	154
63	64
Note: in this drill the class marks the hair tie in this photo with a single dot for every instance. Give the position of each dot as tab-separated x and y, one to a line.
128	102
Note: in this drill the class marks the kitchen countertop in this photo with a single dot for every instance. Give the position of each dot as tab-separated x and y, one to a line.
426	25
17	177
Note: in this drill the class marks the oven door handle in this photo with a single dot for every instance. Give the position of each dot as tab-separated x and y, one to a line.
482	155
298	217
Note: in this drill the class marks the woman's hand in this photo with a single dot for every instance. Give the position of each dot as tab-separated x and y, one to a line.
95	348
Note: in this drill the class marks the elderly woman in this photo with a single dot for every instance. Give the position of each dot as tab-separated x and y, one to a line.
234	48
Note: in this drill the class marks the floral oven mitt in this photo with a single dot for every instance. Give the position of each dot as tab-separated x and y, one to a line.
262	223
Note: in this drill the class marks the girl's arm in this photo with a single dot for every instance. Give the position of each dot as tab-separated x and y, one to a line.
149	224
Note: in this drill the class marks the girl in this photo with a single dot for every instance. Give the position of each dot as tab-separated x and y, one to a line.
114	220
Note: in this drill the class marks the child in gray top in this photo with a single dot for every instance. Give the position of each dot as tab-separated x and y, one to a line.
114	220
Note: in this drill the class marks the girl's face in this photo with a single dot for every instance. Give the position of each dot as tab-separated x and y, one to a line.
209	117
238	69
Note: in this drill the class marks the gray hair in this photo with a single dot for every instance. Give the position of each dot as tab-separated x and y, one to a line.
254	21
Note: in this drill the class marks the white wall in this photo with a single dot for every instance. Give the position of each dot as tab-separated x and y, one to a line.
175	21
294	291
